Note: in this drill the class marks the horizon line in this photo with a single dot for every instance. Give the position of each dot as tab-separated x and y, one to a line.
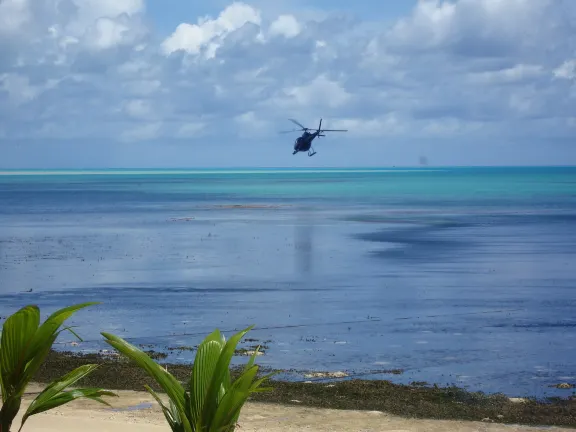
262	170
280	167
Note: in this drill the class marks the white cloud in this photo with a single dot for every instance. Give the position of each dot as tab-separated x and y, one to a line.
109	8
190	130
251	125
138	108
208	33
18	88
513	74
96	69
447	127
478	27
14	14
567	70
142	133
82	15
320	91
107	33
142	87
385	125
285	25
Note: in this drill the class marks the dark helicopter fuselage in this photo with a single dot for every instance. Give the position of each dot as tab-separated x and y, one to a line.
304	142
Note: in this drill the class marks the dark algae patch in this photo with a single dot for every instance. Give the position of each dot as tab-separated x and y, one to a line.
418	400
155	355
448	403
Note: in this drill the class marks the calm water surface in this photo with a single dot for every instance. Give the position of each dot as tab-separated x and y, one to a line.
460	276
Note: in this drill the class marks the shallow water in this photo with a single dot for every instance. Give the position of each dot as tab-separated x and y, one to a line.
461	276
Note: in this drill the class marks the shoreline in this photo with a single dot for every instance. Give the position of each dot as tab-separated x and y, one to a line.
137	411
415	401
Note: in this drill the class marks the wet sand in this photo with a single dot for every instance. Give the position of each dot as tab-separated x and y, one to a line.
137	411
416	401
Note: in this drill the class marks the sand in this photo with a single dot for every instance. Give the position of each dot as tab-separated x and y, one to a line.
137	411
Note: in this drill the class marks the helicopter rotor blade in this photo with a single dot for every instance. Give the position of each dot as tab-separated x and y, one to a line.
299	124
334	130
289	131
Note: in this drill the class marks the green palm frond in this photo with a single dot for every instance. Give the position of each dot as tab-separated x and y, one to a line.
211	402
24	346
165	380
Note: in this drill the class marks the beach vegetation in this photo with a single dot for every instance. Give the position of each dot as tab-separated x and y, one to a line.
209	400
24	345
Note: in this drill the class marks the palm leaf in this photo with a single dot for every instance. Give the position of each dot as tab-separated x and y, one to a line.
211	403
220	371
63	397
171	414
254	388
17	333
54	395
233	401
50	327
38	344
24	346
165	380
202	371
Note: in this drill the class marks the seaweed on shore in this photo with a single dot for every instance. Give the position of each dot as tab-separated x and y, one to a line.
415	401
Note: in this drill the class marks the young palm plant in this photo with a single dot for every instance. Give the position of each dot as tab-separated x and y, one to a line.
210	401
24	346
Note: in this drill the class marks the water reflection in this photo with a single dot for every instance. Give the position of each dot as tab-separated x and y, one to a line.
304	240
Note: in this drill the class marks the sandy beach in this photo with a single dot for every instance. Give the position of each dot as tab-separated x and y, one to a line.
137	411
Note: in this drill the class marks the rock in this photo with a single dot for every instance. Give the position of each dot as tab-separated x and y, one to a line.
249	206
564	386
326	375
245	352
500	416
487	419
518	400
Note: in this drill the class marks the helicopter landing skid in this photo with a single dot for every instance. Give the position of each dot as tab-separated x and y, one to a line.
311	153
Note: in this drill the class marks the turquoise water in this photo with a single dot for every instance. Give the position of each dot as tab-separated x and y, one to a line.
456	275
465	184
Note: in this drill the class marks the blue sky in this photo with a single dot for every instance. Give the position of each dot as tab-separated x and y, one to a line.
167	14
173	83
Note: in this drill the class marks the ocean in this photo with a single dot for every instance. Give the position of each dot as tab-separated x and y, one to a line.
461	276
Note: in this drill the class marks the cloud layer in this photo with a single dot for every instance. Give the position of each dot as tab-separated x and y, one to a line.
468	73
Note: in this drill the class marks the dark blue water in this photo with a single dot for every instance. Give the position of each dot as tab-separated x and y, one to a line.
457	276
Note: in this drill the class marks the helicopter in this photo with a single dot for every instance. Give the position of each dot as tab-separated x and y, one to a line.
304	143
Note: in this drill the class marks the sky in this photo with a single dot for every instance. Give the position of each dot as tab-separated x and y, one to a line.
177	83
